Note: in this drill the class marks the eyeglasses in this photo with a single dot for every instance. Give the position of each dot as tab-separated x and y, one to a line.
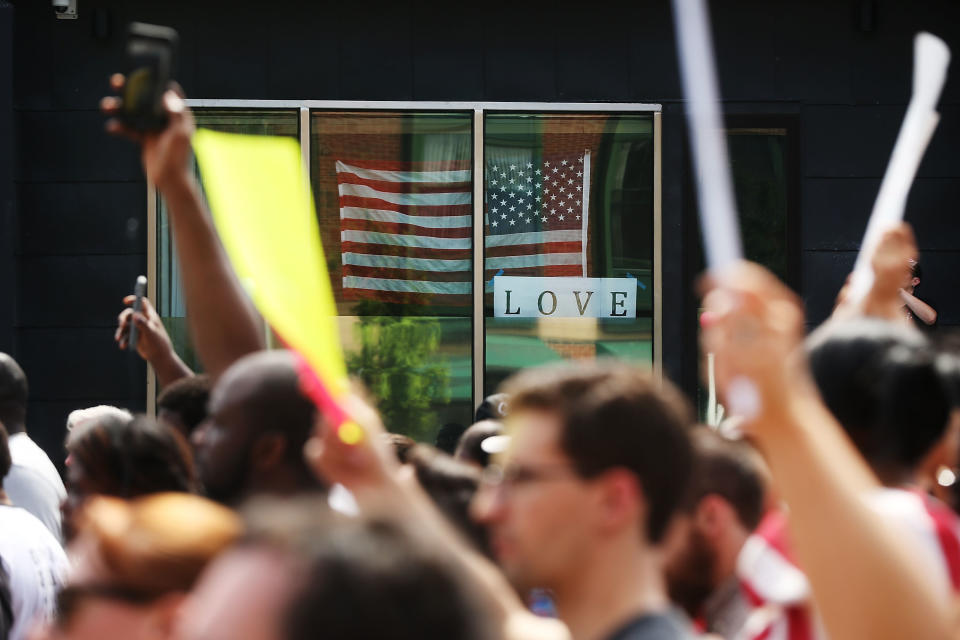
515	475
70	598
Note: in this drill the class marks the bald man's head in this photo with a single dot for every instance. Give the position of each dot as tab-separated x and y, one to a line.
13	394
258	424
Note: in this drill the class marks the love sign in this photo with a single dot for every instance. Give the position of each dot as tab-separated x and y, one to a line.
536	297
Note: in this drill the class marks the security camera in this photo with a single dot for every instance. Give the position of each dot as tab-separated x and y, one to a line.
66	9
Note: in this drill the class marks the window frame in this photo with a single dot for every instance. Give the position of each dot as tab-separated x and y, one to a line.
478	111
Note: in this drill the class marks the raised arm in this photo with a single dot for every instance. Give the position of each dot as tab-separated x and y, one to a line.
153	342
865	580
222	319
369	470
918	307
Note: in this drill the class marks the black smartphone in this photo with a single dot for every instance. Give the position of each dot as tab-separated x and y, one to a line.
139	290
151	56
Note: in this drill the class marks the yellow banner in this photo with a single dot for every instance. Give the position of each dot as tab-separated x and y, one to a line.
264	213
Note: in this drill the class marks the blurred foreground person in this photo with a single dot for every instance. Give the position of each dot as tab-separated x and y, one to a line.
134	562
114	454
722	508
252	442
882	383
596	468
863	570
452	485
31	561
303	573
33	483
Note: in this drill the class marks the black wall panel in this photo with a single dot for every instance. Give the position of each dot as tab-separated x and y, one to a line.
76	291
8	238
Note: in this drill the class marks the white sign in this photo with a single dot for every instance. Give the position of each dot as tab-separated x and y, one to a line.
534	297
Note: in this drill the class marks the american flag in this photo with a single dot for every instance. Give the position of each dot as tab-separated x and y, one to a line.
536	215
406	231
406	227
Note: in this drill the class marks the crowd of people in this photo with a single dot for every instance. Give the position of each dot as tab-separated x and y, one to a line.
585	503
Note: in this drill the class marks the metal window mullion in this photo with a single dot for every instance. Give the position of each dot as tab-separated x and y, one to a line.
657	247
479	357
151	286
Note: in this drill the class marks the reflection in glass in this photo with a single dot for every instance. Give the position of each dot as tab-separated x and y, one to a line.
567	196
394	197
170	302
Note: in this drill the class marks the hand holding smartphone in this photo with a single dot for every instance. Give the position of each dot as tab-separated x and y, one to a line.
139	290
151	55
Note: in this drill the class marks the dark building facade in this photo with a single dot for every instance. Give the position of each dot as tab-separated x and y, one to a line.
834	76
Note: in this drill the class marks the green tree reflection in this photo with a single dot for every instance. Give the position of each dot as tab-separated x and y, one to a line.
397	363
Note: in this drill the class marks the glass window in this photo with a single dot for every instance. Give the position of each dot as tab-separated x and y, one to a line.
394	192
760	159
394	195
170	302
568	197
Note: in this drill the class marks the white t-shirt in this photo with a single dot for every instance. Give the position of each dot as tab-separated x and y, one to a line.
36	564
33	482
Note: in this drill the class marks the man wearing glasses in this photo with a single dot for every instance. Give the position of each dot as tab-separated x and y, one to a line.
598	462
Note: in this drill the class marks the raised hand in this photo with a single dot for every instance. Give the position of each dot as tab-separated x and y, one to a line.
755	331
153	342
165	154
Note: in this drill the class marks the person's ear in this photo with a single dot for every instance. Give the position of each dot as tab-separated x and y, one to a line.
268	451
914	281
621	501
713	516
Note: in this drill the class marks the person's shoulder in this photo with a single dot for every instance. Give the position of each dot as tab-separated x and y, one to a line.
658	626
19	526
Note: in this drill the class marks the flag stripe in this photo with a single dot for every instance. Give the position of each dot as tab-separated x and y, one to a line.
400	297
381	215
413	252
404	187
402	262
411	165
410	286
524	249
407	274
422	210
534	260
559	270
369	237
417	199
533	237
441	177
405	229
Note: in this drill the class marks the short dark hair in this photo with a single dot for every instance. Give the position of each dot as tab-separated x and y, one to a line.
730	469
126	457
187	398
494	407
375	581
13	394
451	485
360	578
882	383
448	436
615	415
470	447
5	460
916	271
